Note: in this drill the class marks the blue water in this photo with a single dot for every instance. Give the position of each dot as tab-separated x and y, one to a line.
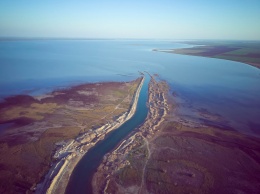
230	91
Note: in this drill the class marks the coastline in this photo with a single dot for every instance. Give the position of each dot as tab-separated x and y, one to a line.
70	154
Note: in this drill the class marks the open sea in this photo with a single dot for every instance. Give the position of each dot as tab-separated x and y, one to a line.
215	92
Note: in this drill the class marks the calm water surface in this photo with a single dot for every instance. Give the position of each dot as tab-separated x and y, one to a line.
227	91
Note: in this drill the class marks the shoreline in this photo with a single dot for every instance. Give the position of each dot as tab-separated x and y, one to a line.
70	154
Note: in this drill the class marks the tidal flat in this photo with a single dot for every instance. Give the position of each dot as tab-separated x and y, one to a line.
38	131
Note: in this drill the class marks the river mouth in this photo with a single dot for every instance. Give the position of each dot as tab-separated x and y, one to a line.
81	178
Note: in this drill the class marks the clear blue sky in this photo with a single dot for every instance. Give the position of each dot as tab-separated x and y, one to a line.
166	19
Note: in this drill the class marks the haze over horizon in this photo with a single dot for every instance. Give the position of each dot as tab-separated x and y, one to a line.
165	19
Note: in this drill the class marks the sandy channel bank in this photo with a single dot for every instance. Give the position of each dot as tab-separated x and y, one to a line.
72	151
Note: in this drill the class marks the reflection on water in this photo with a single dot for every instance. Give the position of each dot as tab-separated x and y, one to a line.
213	91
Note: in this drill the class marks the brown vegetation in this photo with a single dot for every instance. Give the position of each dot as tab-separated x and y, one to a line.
40	123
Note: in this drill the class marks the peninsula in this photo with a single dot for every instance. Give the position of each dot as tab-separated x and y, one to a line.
241	51
44	137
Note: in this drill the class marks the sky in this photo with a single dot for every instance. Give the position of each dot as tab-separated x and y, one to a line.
156	19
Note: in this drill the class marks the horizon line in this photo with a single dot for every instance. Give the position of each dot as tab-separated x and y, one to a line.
6	38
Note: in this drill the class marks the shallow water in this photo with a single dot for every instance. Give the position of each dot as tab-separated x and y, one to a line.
227	91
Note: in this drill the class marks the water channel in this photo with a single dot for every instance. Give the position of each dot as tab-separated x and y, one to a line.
80	181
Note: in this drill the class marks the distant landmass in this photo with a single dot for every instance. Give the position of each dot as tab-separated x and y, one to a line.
242	51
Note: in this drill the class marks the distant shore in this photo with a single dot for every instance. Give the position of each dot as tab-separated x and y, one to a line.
244	52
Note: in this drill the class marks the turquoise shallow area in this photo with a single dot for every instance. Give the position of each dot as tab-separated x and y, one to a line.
229	91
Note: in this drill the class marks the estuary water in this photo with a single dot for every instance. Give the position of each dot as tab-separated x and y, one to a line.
210	91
